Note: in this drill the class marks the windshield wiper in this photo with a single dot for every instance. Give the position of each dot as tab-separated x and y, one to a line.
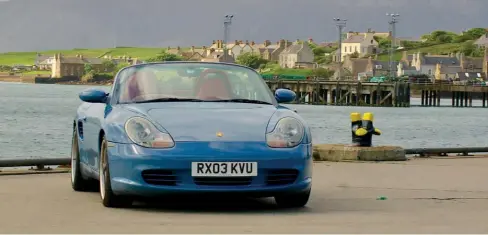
243	101
169	100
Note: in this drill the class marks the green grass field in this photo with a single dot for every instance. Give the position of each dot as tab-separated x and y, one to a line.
28	58
434	50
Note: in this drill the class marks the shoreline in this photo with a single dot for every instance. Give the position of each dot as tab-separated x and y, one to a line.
29	81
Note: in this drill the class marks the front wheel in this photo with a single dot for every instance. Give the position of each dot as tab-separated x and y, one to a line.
109	199
293	200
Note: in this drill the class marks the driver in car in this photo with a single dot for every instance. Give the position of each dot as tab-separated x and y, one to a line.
213	85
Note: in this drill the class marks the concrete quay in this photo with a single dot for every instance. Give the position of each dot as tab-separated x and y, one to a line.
422	196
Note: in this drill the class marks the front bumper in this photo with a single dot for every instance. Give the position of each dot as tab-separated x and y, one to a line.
143	171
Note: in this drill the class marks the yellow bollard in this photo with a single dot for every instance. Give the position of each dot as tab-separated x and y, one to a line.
367	130
355	127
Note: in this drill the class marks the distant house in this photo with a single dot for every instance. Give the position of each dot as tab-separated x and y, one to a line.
122	59
215	56
239	47
361	43
470	76
216	48
73	66
427	64
446	71
469	64
40	58
194	54
266	50
297	52
43	62
365	67
404	69
272	51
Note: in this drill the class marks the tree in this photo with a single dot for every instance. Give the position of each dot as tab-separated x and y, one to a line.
468	48
440	36
354	55
250	60
165	56
118	67
108	66
383	43
474	33
88	69
323	73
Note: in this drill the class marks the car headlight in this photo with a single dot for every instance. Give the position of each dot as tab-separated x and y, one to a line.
142	132
288	133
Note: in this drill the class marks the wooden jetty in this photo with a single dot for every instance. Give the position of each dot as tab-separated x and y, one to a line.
396	94
461	95
346	92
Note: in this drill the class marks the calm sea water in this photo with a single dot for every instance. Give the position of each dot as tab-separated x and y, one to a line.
35	120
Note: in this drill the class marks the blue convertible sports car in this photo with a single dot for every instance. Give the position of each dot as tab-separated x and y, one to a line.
190	127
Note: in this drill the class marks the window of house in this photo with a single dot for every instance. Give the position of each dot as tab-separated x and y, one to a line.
430	71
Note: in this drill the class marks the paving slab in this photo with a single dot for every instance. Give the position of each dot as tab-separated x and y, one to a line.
422	196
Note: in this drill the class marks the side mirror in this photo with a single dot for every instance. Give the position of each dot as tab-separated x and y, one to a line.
94	96
285	95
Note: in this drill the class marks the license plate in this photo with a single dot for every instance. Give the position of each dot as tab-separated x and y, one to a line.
224	169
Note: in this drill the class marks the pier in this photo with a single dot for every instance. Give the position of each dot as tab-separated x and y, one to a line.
461	95
396	94
347	92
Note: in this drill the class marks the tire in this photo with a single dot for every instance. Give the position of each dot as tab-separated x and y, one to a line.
78	183
294	200
109	199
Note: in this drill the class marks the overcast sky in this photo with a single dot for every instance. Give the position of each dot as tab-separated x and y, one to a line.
33	25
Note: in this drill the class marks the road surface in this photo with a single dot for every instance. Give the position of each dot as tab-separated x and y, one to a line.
423	196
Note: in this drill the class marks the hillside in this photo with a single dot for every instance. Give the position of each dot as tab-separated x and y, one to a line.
27	58
441	49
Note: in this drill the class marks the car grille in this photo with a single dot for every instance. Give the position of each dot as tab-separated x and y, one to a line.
160	177
222	181
281	177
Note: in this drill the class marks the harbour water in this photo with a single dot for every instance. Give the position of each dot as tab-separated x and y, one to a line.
35	120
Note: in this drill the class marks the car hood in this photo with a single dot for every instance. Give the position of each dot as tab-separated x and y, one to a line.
214	121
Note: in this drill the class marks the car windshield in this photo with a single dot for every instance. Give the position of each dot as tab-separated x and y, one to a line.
198	82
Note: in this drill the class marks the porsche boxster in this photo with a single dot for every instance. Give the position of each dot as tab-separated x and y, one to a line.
173	128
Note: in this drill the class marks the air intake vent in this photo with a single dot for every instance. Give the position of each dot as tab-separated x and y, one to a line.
160	177
281	177
80	129
222	181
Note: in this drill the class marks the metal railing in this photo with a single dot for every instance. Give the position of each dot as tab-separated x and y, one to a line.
465	151
39	162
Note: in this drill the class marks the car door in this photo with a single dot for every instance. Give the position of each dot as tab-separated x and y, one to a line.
92	131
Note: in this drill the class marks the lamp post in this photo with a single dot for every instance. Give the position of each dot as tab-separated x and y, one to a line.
392	22
341	24
227	23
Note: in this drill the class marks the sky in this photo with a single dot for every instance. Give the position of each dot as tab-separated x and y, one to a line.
36	25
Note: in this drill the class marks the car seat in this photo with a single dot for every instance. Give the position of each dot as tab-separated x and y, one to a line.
140	85
217	87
